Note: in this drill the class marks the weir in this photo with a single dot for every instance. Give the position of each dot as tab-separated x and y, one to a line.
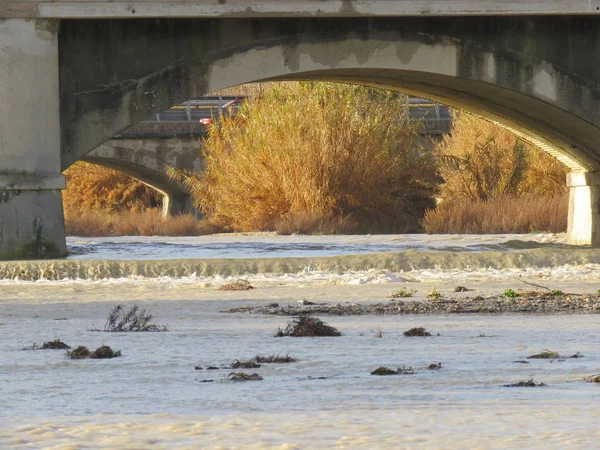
89	80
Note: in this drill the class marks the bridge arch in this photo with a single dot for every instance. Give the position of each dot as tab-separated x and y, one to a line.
532	75
499	69
147	160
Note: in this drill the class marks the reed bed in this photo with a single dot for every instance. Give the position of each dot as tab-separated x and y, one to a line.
509	214
315	157
136	223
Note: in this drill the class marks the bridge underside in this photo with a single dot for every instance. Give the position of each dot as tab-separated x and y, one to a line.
537	76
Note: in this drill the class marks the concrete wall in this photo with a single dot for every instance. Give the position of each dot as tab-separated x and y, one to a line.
31	216
539	76
288	8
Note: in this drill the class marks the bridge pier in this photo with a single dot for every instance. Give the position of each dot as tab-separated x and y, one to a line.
174	205
584	208
31	211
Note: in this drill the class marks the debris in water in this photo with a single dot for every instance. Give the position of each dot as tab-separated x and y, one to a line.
250	364
593	379
103	352
382	371
274	359
460	289
56	345
546	354
420	331
521	362
434	366
528	383
136	319
237	285
237	377
307	326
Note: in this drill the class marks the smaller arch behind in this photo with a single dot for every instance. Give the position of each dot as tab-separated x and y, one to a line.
147	160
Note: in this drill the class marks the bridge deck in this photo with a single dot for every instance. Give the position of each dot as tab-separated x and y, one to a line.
288	8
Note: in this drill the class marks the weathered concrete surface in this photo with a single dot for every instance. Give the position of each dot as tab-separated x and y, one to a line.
147	160
288	8
536	76
584	208
31	215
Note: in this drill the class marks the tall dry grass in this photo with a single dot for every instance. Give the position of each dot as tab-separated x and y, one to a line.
338	156
508	214
495	183
480	161
136	223
95	188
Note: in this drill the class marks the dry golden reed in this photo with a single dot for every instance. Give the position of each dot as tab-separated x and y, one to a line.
479	160
315	157
508	214
136	223
95	188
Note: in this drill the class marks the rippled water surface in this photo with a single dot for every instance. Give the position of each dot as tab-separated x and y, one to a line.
253	246
152	396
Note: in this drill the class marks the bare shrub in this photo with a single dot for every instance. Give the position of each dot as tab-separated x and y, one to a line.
307	326
136	319
309	157
525	214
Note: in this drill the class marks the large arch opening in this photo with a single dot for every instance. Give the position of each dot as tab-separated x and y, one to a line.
517	72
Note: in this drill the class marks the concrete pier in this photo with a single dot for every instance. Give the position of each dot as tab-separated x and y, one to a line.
584	208
31	213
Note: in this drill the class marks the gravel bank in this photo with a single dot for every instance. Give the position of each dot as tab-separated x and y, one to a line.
531	302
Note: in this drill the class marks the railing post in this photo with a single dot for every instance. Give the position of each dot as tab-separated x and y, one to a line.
189	111
158	117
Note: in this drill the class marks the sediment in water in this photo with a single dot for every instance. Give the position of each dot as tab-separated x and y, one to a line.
394	262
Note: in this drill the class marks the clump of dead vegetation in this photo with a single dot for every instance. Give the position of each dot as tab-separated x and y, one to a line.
103	352
402	293
383	371
548	354
307	326
238	377
417	331
526	383
57	344
237	285
274	359
593	379
250	364
135	319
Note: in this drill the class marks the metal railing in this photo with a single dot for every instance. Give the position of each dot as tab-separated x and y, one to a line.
419	109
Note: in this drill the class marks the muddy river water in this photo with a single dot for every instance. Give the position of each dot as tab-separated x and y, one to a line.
153	397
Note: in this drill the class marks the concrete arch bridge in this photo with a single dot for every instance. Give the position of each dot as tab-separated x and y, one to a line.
536	74
172	138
